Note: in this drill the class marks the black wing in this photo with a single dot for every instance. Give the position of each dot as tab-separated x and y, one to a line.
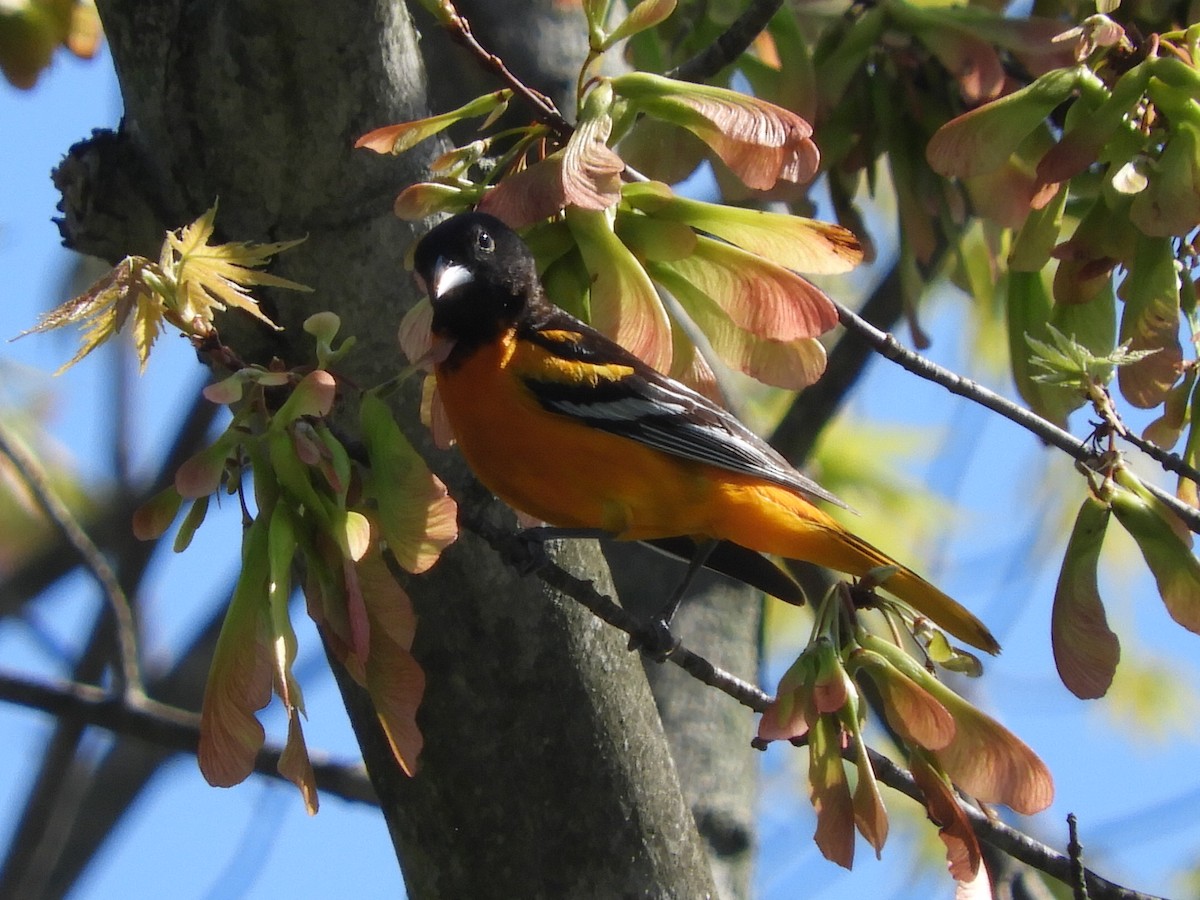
622	395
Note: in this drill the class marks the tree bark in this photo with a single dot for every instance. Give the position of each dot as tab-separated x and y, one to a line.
546	772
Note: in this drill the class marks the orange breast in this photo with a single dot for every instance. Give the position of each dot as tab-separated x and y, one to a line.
558	469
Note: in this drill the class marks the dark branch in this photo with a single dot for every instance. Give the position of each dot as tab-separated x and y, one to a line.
730	45
1172	462
167	726
513	548
801	425
887	345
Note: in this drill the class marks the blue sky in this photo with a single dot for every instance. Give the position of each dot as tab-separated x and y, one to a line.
190	840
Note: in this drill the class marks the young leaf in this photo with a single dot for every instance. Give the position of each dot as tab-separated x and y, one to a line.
213	277
239	680
416	516
984	138
830	793
395	139
794	242
1175	569
101	310
624	304
760	142
1086	651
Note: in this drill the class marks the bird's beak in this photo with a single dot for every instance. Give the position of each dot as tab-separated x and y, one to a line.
447	275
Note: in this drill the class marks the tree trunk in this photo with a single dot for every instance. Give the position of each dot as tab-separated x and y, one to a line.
546	772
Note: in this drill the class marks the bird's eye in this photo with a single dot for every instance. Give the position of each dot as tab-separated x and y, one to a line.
485	242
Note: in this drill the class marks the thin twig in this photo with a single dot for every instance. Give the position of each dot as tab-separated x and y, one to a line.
546	112
730	45
167	726
1172	462
888	347
127	675
1075	852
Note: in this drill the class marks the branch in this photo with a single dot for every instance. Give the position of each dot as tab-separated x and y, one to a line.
730	45
459	30
999	835
887	345
127	675
512	548
167	726
813	407
1172	462
1009	840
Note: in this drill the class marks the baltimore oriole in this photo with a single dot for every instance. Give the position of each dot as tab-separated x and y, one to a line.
566	425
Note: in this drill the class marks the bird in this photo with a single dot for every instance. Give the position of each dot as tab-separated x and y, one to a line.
567	426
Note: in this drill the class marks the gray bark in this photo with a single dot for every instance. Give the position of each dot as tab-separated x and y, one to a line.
546	772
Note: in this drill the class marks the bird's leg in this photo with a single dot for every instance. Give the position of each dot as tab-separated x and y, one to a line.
656	639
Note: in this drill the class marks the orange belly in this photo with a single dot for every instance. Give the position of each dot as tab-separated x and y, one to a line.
587	479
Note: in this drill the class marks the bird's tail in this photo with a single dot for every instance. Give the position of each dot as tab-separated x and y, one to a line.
774	520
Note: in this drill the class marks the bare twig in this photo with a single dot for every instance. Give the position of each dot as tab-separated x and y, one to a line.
730	45
1172	462
887	345
127	675
167	726
459	30
1075	852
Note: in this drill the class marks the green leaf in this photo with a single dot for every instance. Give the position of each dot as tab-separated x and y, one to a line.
1175	568
239	680
396	139
644	16
794	242
984	138
192	521
622	301
1086	651
416	516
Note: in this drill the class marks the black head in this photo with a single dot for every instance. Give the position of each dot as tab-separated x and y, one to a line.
479	275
